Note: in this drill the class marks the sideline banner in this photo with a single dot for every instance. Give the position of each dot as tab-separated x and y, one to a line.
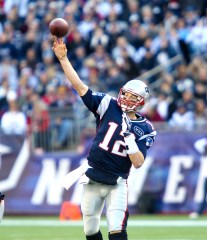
170	181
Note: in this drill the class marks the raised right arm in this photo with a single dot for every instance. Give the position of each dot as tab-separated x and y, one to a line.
60	51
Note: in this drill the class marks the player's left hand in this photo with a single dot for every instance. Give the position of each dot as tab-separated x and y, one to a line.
126	123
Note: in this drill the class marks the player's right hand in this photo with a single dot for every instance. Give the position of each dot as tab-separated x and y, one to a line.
59	48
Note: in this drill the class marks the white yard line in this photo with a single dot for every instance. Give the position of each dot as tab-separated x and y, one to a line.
131	223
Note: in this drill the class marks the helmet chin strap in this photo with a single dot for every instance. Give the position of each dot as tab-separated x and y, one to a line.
124	109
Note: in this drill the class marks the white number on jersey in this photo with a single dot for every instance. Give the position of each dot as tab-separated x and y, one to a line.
118	143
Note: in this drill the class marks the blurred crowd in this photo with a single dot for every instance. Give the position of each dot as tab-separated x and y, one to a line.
110	42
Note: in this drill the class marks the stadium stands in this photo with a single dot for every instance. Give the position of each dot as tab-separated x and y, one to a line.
110	42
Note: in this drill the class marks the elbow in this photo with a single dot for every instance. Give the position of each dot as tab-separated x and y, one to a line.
137	159
138	163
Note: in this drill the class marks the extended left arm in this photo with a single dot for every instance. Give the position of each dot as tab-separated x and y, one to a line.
135	155
133	151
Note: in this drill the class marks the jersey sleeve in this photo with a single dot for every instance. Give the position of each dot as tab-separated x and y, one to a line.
96	102
142	147
149	137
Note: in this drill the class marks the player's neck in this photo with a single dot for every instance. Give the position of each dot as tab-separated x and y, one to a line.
131	115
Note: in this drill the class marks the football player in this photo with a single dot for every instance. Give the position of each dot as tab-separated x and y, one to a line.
1	206
122	139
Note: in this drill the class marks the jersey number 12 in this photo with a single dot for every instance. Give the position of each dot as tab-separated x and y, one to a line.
116	149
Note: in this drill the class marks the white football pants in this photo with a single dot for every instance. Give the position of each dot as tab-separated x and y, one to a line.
1	209
94	197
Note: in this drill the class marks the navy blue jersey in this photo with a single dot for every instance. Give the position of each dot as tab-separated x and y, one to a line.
108	154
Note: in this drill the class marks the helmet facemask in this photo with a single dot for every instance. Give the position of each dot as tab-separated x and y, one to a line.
133	96
130	104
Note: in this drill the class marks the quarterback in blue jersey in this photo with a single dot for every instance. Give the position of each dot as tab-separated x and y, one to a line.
122	139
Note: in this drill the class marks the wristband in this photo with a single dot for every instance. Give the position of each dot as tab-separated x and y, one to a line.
131	146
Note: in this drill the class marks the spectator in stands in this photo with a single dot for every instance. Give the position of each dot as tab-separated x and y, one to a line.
182	118
133	11
165	53
32	58
7	49
200	91
100	57
79	59
50	97
183	32
188	100
115	80
104	8
88	23
121	44
162	105
75	40
200	114
183	81
4	88
115	27
40	123
152	114
13	121
197	37
43	83
99	38
72	11
148	62
127	65
195	65
191	14
61	124
146	46
147	17
92	77
202	75
8	70
133	31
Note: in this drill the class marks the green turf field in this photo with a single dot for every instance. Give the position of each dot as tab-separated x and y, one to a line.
139	228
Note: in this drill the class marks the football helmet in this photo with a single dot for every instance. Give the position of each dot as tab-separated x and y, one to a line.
133	96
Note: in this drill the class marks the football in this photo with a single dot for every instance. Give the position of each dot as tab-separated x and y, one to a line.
59	27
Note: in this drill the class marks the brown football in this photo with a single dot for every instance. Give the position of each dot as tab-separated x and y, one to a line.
59	27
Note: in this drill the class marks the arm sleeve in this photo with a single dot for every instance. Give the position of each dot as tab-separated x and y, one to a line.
92	100
146	141
96	102
142	147
149	136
